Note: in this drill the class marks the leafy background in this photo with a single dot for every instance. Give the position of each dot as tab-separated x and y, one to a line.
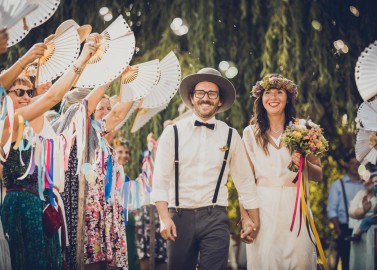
260	37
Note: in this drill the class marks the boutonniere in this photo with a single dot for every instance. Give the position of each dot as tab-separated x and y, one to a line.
224	148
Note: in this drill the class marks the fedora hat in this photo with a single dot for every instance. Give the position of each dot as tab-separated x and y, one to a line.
208	75
83	30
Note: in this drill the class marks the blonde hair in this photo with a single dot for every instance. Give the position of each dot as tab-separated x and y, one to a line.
23	81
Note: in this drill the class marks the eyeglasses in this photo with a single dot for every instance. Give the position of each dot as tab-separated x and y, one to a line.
201	93
21	92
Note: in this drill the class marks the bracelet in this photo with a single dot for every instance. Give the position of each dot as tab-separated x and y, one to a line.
77	70
20	64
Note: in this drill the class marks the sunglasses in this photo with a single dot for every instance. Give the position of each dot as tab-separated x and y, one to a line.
21	92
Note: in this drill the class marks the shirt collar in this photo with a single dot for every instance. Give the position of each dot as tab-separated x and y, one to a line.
194	118
346	178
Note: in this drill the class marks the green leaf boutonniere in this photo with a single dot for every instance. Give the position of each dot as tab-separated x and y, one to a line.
224	148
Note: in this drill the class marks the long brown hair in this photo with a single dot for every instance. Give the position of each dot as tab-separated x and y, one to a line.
262	123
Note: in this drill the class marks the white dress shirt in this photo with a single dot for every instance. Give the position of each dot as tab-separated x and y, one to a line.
200	161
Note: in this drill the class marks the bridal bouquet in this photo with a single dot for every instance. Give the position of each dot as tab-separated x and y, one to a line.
305	137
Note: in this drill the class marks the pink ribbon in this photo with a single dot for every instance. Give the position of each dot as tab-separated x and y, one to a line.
299	179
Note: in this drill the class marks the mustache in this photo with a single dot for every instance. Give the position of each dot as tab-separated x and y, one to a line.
206	102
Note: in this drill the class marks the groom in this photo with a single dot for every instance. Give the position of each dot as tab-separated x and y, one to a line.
194	159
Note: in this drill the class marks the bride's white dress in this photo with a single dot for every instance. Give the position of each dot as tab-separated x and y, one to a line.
276	247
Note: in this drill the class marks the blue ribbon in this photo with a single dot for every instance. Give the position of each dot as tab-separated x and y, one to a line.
109	177
126	191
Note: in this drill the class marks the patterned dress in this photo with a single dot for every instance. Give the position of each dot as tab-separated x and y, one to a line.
70	200
143	230
105	234
21	216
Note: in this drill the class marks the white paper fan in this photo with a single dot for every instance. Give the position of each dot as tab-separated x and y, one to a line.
16	34
132	110
367	113
364	149
61	52
113	56
11	12
45	9
138	81
44	12
366	72
144	115
167	85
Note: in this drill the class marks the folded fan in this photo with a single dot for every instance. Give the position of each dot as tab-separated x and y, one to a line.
365	72
367	113
144	115
45	9
365	147
112	57
167	86
138	80
62	50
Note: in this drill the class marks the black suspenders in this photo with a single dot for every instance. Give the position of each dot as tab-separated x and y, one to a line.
176	165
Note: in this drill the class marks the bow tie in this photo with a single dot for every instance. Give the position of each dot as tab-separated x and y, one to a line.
201	124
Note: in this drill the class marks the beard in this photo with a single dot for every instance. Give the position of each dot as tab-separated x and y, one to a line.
208	113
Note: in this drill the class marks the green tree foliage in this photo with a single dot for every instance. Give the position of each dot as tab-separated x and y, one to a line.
260	37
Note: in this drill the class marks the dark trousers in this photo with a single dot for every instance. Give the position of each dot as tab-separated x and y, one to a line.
344	246
201	232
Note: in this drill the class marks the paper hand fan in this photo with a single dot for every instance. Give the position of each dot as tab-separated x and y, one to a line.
144	115
45	9
167	85
367	113
12	13
112	57
62	50
138	80
365	148
44	12
132	110
366	71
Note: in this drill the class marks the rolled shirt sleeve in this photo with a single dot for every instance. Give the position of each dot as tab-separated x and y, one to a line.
333	201
163	172
242	175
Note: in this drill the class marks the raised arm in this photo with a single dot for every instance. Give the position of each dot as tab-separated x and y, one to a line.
58	90
117	114
63	84
11	74
95	96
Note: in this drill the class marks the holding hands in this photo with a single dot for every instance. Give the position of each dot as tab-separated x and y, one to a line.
168	230
249	230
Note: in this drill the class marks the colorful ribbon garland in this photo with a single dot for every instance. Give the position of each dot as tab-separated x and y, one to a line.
302	182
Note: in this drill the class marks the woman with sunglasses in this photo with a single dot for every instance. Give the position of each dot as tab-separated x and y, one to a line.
22	210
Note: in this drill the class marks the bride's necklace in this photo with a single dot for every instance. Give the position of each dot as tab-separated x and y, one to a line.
276	131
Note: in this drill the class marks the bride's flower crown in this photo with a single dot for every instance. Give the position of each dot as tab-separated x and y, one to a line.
274	81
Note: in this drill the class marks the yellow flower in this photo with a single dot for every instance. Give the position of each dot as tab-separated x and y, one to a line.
296	135
319	144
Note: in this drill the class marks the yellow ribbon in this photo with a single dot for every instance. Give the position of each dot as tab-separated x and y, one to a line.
20	130
305	211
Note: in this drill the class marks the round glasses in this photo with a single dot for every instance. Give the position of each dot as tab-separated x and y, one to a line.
21	92
201	93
